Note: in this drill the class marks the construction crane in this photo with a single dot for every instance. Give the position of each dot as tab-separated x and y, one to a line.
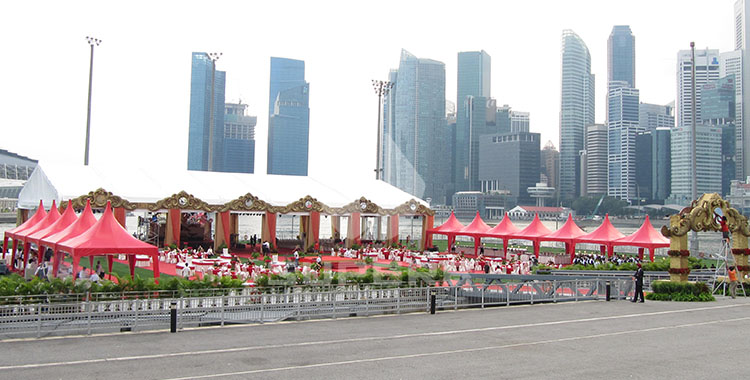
593	213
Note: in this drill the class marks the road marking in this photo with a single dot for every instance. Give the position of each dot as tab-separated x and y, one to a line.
452	352
360	339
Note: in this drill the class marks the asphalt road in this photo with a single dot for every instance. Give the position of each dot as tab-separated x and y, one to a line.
584	340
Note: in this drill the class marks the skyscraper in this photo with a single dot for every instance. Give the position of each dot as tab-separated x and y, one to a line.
200	114
621	55
706	70
622	127
288	118
661	163
652	116
576	110
730	63
596	160
239	139
420	134
550	158
741	37
708	168
473	82
510	162
719	110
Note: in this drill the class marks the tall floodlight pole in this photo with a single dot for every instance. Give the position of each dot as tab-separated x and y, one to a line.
213	57
694	190
382	88
92	42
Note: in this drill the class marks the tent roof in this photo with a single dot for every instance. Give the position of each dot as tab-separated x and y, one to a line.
476	227
52	216
504	228
107	236
36	218
67	218
81	225
451	226
568	232
534	230
646	236
606	233
148	185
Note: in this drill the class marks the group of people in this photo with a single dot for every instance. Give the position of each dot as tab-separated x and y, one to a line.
596	259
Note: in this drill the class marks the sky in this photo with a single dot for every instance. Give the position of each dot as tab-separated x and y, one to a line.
141	76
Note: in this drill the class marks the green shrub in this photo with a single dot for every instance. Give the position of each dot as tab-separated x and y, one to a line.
680	291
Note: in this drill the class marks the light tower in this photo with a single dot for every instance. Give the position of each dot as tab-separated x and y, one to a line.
382	88
92	42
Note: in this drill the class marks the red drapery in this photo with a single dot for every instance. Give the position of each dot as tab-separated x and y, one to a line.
393	224
120	216
271	226
355	227
225	226
175	218
315	226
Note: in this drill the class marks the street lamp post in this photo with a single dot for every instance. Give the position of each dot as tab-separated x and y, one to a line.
382	88
92	42
213	57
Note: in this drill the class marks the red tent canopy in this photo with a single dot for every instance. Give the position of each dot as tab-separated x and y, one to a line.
81	225
504	230
605	235
476	229
52	216
449	228
67	218
11	234
567	234
645	237
533	232
108	237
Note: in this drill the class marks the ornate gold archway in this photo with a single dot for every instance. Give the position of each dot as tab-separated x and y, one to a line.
700	217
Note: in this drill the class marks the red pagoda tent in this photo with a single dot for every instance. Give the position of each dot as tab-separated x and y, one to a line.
67	218
567	234
533	232
12	234
645	237
449	229
79	226
504	230
476	229
605	235
52	216
108	237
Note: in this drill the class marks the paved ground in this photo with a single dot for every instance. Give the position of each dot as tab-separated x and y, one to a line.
585	340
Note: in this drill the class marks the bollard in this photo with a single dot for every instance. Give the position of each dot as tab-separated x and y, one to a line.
607	291
173	317
433	294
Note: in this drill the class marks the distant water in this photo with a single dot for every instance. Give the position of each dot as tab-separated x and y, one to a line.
287	227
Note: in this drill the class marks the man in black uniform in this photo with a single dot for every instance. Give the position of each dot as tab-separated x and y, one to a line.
638	277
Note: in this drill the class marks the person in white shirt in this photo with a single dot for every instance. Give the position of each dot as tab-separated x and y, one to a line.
82	273
94	277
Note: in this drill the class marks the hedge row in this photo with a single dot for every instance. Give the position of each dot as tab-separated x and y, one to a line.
680	291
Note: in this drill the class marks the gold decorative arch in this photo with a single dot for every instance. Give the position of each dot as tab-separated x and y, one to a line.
700	217
99	198
182	201
247	202
304	204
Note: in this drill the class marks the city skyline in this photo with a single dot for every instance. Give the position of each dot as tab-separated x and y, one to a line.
141	93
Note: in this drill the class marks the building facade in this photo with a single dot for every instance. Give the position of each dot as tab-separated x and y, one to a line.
741	37
421	138
644	159
15	166
652	116
622	127
550	160
661	163
719	111
576	110
708	166
288	118
200	114
510	162
706	70
730	63
239	139
474	79
596	160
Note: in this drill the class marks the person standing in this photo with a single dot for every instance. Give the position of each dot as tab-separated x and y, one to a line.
732	281
638	278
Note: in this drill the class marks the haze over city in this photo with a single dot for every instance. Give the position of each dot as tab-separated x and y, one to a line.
141	89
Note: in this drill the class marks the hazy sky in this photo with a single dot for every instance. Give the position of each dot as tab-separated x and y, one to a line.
141	91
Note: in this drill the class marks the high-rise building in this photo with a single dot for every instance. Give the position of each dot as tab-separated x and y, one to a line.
596	160
421	136
239	139
706	70
621	55
576	110
200	114
644	160
719	110
550	158
503	119
661	163
708	166
510	162
288	118
474	70
741	37
519	121
622	128
730	63
652	116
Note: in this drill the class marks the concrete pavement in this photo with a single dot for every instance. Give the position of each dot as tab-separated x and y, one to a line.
583	340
